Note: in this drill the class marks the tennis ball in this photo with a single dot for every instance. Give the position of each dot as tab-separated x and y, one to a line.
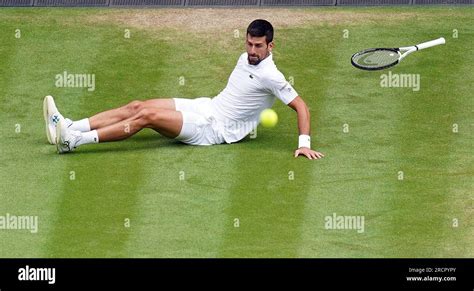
268	118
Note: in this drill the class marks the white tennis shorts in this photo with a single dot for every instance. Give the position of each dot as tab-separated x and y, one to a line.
199	126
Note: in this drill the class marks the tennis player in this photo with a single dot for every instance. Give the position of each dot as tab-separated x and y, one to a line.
253	86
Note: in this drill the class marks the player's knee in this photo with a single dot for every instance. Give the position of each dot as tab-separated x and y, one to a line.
134	106
149	116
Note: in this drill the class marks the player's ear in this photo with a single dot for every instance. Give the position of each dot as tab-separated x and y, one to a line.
271	45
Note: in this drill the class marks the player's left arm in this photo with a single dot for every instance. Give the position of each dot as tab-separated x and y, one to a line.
304	146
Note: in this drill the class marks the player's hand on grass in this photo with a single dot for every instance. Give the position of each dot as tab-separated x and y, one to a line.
309	153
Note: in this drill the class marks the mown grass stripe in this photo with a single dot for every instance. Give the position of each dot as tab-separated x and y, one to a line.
95	208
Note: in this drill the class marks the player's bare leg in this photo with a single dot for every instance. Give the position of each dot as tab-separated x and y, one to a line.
113	116
166	122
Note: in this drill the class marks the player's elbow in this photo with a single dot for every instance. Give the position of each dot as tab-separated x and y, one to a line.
296	104
303	111
299	106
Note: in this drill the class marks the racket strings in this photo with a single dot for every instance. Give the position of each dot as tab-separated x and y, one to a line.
376	58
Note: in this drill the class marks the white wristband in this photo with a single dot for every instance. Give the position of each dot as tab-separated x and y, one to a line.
304	141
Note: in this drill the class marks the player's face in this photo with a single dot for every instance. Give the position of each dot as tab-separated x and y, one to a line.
257	49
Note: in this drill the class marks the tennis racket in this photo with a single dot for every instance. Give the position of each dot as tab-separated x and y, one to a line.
382	58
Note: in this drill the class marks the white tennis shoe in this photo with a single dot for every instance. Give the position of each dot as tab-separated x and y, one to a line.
66	139
51	118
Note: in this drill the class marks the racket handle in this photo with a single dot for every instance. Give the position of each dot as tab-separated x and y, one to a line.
431	43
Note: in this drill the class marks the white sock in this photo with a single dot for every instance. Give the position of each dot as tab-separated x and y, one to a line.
68	122
88	137
82	125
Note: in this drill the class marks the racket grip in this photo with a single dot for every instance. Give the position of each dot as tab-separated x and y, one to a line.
431	43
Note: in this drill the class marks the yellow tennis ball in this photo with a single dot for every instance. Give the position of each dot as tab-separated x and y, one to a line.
268	118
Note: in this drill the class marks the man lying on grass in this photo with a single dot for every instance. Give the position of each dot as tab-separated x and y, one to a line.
227	118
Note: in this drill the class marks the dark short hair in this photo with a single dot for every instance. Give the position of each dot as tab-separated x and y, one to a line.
259	28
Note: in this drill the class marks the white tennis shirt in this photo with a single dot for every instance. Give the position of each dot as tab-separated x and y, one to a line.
250	90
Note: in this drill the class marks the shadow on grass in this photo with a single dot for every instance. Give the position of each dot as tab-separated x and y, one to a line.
137	144
151	140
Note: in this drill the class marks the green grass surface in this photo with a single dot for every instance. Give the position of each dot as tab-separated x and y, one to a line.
390	130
